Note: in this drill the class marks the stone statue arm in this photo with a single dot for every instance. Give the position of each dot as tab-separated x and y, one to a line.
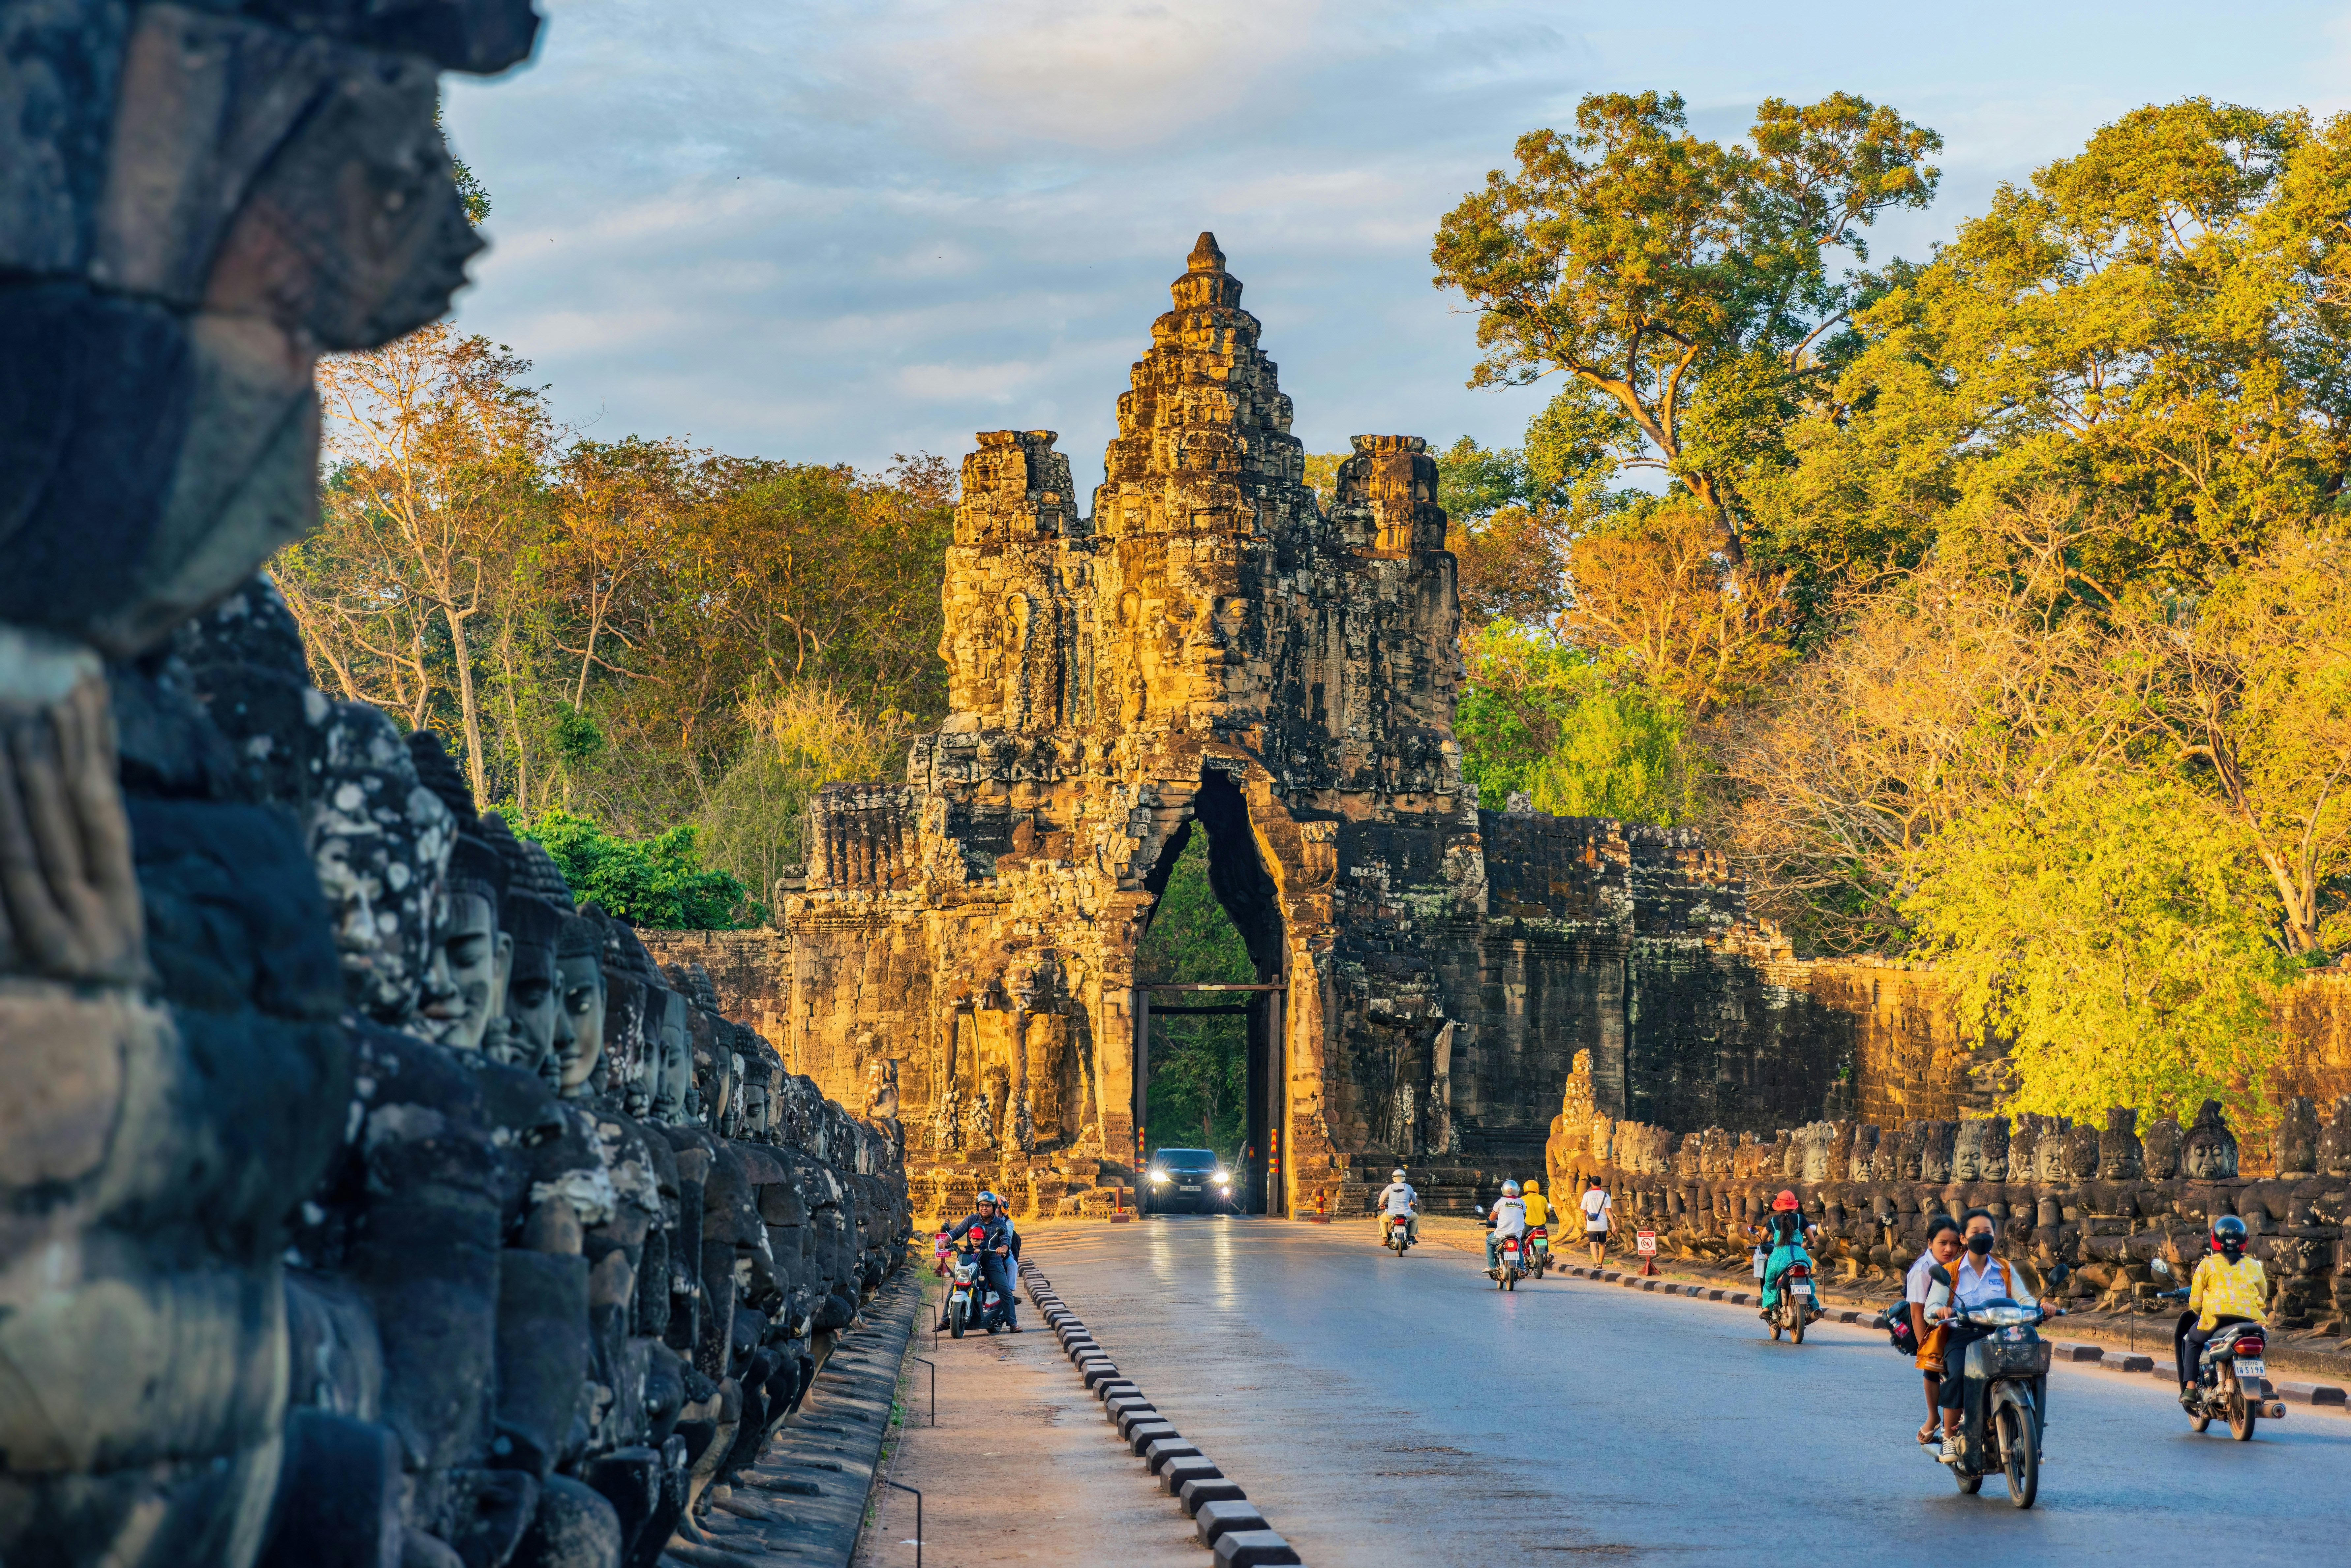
69	897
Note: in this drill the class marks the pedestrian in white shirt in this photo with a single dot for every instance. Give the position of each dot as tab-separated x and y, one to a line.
1599	1211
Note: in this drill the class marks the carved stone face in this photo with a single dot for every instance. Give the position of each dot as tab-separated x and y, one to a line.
1966	1153
672	1097
2160	1150
579	980
379	841
471	959
534	1004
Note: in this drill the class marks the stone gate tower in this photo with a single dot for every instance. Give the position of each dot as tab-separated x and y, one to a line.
1211	651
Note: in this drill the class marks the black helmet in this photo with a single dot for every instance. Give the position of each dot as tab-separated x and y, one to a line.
2229	1236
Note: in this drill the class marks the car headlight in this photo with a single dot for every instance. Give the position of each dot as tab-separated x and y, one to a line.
1225	1191
1224	1177
1159	1178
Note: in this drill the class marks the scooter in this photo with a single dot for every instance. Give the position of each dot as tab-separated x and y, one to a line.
1510	1266
1538	1249
972	1301
2005	1402
2230	1380
1797	1305
1398	1238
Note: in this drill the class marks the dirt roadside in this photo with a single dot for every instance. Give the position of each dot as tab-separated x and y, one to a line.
1022	1467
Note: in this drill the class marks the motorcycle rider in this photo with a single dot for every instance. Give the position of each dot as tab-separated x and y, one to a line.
1398	1201
2227	1284
1978	1280
992	1236
1785	1233
1943	1248
1508	1217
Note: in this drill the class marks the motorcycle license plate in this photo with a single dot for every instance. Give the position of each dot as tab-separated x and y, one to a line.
1804	1290
2251	1369
1542	1244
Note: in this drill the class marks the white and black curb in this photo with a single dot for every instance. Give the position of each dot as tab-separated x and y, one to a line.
1223	1517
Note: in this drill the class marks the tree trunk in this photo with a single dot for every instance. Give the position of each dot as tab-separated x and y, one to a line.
467	707
514	722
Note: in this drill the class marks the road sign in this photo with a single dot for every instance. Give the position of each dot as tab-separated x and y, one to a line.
1645	1242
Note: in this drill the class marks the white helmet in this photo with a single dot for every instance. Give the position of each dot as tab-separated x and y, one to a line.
1396	1174
1509	1189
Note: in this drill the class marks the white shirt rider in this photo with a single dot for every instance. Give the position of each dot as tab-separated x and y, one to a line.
1510	1217
1396	1198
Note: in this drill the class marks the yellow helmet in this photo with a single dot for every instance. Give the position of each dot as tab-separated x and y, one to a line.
1533	1186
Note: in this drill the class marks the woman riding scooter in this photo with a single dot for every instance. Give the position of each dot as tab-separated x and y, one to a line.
1785	1231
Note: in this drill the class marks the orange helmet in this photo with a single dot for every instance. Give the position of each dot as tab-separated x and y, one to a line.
1785	1200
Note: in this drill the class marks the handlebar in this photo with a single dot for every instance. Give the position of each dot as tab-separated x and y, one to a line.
2178	1295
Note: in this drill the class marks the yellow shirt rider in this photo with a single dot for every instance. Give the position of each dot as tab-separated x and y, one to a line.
2227	1284
1538	1211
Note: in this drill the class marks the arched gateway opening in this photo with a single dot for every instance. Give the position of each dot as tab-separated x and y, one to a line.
1200	990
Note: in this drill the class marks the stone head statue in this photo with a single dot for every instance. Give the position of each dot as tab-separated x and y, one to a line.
2335	1139
245	665
2209	1152
1992	1149
676	1101
580	978
473	954
2119	1157
2160	1150
2082	1154
1911	1152
1864	1152
1934	1151
628	1066
538	1026
1966	1151
2056	1140
380	844
2293	1147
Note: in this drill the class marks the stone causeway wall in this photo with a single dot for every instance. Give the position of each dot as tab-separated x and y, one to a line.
2104	1201
364	1199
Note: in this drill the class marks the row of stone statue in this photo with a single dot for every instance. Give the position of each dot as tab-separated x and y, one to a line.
420	1224
2102	1201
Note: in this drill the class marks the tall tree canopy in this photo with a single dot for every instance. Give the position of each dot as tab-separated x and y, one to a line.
1681	284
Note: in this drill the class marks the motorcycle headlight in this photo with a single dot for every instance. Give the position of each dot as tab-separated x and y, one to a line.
1223	1176
1159	1178
2004	1317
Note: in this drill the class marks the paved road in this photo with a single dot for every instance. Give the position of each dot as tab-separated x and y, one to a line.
1401	1410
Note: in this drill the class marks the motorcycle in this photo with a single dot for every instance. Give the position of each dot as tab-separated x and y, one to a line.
1398	1238
2006	1399
1511	1266
1796	1306
2230	1380
1538	1249
972	1301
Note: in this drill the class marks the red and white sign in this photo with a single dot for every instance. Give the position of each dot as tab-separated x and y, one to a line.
1645	1242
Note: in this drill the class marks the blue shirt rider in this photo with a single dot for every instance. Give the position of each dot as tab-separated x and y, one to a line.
997	1245
1785	1231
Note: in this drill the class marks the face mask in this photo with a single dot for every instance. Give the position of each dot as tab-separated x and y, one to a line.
1981	1244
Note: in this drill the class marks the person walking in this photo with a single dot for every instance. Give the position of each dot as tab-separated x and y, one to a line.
1599	1215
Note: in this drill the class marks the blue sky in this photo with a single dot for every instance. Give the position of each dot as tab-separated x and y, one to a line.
838	232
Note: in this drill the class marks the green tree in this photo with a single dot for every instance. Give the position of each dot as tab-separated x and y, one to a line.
2160	321
1578	735
2116	939
659	882
1681	284
801	739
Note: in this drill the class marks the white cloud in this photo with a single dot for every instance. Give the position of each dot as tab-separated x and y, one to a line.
840	230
